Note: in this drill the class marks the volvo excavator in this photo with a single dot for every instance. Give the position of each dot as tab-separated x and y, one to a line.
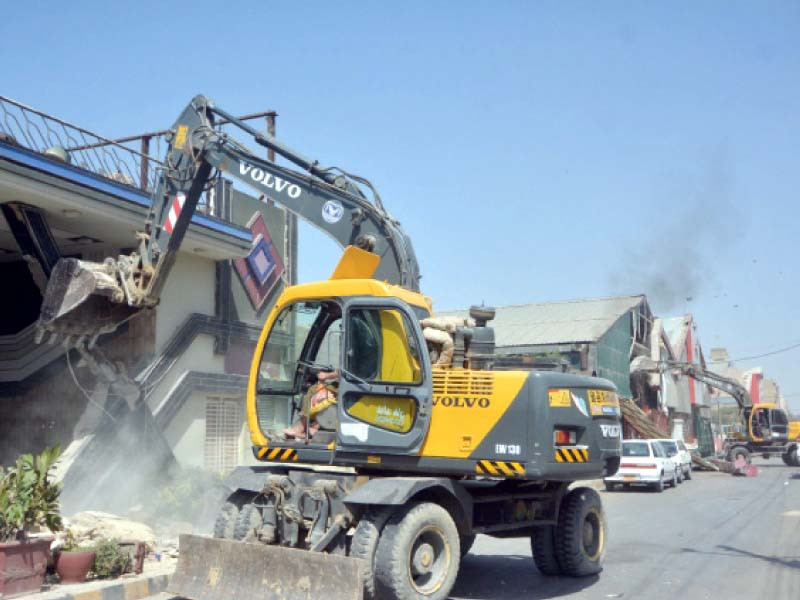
765	426
410	460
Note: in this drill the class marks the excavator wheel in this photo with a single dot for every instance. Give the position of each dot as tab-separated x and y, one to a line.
226	521
738	451
543	548
466	543
418	554
791	458
365	542
581	533
247	523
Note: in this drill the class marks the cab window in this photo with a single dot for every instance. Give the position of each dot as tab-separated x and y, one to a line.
382	348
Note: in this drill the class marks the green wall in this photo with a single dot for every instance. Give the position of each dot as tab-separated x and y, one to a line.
613	354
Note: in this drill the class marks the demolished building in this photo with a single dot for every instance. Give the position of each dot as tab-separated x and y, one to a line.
65	191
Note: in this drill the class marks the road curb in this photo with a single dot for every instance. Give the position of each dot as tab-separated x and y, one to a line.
132	589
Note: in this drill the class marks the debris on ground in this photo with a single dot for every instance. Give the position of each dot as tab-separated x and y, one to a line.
703	463
91	526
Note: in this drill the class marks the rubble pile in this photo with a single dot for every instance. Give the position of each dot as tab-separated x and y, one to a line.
91	525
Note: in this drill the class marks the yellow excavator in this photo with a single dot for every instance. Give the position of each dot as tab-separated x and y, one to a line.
766	429
380	488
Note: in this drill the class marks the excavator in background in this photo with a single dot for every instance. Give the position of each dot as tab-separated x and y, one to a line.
410	460
765	427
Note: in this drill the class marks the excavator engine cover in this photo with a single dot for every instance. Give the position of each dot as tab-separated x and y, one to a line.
217	569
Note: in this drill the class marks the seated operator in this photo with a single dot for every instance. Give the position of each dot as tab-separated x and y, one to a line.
319	397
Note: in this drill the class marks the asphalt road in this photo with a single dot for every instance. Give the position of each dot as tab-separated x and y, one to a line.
716	536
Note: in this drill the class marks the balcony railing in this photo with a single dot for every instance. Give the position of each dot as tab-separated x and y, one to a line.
131	161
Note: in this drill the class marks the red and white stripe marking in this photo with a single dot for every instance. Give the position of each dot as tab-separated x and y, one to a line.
174	212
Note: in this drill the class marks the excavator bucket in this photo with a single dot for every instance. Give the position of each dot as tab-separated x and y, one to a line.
217	569
78	300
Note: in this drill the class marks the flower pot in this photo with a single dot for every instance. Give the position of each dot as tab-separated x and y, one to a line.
72	567
22	566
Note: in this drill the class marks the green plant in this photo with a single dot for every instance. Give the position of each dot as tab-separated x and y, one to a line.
28	499
71	544
110	560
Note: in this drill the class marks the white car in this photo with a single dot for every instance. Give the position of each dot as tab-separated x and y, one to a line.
680	455
644	462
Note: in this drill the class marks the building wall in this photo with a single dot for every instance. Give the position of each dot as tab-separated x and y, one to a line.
613	354
189	289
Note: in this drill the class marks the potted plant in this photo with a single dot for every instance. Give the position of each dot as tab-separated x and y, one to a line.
110	560
28	502
74	562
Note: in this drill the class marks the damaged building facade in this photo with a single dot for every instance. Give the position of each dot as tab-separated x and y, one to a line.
66	192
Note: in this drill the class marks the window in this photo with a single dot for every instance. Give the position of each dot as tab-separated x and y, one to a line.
303	331
382	348
224	421
635	449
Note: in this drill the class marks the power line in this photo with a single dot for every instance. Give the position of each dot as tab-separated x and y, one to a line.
792	347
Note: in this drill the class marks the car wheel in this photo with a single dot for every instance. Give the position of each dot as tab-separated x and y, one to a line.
674	481
581	533
418	554
679	474
543	549
688	474
659	485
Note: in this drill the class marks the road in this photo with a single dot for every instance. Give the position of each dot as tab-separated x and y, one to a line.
716	536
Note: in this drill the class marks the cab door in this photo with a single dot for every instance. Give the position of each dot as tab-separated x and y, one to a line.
385	387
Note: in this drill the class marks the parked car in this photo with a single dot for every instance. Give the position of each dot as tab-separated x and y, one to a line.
677	451
644	462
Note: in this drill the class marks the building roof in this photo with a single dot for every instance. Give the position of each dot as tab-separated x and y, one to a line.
566	322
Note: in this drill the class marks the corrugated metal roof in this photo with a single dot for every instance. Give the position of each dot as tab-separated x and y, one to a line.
565	322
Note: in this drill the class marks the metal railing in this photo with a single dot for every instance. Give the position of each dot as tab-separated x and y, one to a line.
129	160
60	140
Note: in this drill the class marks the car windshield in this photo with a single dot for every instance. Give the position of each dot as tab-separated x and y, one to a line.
635	449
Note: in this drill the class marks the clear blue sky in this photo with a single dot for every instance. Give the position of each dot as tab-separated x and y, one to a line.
533	151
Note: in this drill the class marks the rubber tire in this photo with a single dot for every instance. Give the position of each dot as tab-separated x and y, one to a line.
679	474
688	474
576	506
394	548
466	542
543	549
659	486
674	482
226	521
365	543
743	451
791	458
247	522
610	487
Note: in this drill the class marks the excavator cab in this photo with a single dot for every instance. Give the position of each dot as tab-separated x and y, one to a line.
374	345
769	424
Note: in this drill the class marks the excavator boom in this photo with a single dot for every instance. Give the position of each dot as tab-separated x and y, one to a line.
84	300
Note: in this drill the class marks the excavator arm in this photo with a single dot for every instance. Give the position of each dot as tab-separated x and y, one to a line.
737	391
84	300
